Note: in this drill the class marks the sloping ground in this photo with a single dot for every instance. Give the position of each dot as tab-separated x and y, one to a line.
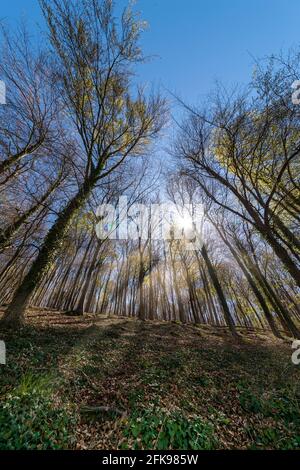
104	383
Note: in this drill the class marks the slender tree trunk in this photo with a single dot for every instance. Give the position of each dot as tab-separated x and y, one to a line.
7	234
219	291
253	285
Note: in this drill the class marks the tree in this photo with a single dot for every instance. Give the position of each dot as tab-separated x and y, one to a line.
244	154
93	58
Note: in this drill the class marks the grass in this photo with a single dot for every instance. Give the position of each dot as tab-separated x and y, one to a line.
126	384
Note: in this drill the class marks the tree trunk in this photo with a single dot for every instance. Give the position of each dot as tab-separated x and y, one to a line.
219	290
14	315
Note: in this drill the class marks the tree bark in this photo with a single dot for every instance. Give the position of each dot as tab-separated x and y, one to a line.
14	314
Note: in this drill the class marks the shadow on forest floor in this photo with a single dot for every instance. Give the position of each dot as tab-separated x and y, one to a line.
122	383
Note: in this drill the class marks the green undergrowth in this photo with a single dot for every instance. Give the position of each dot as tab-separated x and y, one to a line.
152	386
159	430
31	419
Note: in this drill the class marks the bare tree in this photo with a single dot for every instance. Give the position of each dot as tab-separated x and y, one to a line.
94	59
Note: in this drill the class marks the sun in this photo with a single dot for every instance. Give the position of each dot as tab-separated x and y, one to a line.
184	224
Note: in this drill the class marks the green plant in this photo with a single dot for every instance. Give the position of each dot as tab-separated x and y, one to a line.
281	406
201	381
30	420
285	408
171	362
272	438
158	429
250	402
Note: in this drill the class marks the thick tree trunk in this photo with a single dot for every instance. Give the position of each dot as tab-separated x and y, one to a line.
14	315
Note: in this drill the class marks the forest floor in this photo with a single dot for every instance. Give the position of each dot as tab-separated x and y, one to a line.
117	383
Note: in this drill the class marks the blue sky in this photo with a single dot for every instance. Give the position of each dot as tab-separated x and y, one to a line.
199	41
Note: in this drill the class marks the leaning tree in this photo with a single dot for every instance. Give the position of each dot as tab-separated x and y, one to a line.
93	57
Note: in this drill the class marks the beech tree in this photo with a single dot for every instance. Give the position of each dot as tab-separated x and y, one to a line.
244	153
93	58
